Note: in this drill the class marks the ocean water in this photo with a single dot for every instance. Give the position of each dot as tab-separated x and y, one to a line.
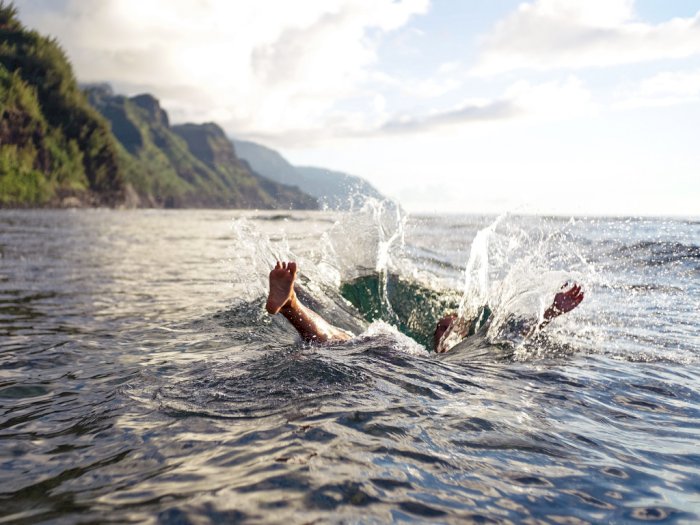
142	381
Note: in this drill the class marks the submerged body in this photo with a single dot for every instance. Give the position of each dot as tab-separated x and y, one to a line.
449	331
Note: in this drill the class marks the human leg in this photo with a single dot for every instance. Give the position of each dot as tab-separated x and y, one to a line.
282	299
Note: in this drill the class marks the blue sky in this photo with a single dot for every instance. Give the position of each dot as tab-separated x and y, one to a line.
545	106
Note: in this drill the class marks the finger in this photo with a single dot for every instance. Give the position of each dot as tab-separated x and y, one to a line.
292	267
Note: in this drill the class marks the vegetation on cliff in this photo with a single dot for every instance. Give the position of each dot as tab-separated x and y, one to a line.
209	143
189	165
61	145
53	144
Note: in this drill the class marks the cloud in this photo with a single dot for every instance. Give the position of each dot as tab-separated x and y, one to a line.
571	34
556	100
495	110
285	73
663	89
435	86
266	67
522	100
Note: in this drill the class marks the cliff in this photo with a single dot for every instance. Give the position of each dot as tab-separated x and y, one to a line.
333	189
189	165
209	143
54	148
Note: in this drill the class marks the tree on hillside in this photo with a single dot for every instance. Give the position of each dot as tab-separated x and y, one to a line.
66	130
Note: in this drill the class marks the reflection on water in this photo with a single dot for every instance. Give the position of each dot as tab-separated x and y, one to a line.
140	378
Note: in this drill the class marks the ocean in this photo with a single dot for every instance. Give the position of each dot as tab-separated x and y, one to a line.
141	380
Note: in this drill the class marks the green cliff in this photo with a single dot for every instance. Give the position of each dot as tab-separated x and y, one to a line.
54	147
209	143
62	146
188	165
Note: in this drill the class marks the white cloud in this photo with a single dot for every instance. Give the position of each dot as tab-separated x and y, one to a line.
522	100
283	73
468	112
570	34
552	100
663	89
438	84
266	66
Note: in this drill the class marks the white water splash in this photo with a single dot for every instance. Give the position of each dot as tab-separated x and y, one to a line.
516	266
392	338
253	257
365	240
358	243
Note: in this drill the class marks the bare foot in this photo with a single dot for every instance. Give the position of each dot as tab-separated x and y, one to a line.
281	286
565	301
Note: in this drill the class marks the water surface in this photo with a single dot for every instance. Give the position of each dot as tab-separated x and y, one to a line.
142	381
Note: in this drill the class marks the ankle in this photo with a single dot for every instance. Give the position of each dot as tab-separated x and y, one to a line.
550	313
291	305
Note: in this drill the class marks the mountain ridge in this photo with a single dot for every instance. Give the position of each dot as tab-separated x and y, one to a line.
185	165
66	145
333	189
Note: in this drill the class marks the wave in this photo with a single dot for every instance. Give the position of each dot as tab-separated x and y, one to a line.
660	253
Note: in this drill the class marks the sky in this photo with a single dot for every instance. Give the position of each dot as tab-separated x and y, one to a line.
570	107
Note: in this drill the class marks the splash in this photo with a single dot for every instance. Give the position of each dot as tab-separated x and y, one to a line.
476	274
360	243
516	266
254	255
375	265
367	241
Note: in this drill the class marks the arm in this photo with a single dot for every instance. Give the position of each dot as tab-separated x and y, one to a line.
282	299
